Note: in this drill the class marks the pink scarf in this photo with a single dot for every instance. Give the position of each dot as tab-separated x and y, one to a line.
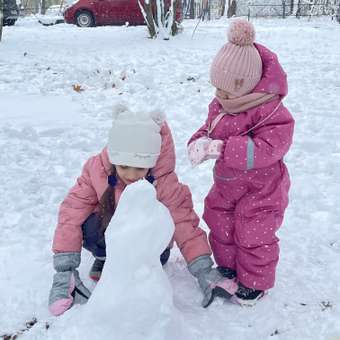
246	102
242	104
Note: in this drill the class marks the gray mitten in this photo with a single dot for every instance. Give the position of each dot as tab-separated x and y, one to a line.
67	288
209	279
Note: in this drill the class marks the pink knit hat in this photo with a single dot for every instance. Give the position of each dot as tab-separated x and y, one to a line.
237	67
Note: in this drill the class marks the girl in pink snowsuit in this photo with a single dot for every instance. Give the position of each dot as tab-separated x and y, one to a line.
248	131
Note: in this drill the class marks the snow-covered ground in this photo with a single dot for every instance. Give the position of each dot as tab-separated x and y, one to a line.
48	130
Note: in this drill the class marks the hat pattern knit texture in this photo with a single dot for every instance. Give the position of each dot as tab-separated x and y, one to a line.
237	67
134	138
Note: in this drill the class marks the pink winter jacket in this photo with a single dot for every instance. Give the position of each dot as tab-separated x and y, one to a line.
259	138
84	196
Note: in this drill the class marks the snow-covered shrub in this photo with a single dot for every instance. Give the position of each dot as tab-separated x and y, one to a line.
160	19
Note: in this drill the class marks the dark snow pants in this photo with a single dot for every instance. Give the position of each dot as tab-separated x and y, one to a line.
94	239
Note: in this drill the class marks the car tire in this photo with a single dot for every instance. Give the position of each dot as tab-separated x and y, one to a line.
9	22
84	19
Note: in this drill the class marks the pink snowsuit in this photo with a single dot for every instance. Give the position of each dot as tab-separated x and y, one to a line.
246	203
83	198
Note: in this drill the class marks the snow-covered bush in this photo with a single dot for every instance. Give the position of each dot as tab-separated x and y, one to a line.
160	19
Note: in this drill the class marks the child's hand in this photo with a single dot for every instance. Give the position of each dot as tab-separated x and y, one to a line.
210	280
204	148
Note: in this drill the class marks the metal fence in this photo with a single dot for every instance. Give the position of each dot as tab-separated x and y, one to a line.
287	9
214	9
205	9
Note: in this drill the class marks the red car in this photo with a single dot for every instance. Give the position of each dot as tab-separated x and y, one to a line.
87	13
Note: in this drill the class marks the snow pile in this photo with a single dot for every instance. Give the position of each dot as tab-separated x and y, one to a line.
133	299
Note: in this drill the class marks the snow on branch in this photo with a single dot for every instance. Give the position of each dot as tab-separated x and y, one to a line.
160	20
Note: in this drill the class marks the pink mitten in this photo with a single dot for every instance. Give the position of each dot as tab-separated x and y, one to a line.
214	149
197	150
204	148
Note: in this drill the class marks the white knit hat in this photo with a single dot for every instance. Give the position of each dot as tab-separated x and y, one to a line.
134	138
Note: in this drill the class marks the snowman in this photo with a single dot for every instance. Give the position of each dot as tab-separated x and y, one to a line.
133	299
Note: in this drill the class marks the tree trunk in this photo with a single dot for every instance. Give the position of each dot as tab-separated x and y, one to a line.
338	14
36	6
150	21
43	7
148	17
205	10
174	27
298	11
160	20
232	9
223	3
1	17
192	9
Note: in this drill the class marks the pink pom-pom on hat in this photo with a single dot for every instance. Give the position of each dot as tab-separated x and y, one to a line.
237	67
241	33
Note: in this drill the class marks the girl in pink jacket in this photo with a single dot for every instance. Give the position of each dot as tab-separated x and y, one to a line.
248	131
140	146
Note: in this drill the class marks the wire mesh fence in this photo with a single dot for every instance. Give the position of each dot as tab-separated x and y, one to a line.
214	9
300	9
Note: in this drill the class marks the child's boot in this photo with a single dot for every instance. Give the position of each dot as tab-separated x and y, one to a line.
227	272
165	256
228	286
96	269
247	296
